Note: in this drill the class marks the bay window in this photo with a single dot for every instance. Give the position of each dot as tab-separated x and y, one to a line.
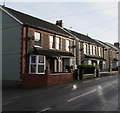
37	64
37	38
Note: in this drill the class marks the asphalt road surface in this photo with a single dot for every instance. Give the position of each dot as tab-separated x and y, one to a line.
97	94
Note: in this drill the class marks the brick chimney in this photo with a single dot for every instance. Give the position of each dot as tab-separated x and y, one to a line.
59	23
117	44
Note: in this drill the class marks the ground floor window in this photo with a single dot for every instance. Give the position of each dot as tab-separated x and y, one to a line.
37	64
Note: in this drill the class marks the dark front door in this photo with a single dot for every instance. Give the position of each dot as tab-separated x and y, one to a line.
52	65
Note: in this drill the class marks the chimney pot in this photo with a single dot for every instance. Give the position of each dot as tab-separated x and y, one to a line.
59	23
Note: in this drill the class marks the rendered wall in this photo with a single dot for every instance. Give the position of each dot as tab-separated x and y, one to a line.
11	48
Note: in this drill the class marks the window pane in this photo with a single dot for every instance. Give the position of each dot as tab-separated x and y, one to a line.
41	59
51	41
33	68
37	36
67	45
40	68
33	59
57	43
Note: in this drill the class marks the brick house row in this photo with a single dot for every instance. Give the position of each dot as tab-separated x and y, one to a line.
38	53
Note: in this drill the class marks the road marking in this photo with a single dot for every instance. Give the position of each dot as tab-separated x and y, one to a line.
4	104
14	98
81	95
97	79
87	81
45	109
110	84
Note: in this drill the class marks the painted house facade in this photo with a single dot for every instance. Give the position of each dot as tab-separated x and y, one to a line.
35	48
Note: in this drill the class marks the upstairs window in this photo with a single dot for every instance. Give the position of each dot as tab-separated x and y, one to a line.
99	51
37	39
51	42
67	45
57	43
85	48
37	64
93	50
90	49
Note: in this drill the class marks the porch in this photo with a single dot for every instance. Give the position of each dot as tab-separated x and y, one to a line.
47	67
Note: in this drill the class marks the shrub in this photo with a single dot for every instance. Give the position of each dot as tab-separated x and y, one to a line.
67	67
86	68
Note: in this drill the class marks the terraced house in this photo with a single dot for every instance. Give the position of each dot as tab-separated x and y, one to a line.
88	51
34	49
111	53
37	53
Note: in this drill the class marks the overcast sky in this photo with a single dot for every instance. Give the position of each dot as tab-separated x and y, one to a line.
97	19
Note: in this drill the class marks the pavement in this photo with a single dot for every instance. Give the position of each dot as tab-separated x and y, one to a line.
96	94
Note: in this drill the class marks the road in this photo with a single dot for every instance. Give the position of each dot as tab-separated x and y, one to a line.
97	94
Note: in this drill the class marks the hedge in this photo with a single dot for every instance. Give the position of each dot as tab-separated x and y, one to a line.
88	69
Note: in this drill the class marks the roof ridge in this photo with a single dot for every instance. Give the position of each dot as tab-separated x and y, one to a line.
36	22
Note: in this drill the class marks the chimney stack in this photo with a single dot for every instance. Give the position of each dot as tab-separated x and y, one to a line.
59	23
117	44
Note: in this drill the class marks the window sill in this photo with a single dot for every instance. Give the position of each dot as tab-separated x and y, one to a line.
36	73
37	46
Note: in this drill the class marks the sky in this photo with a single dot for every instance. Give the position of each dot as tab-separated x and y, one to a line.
99	20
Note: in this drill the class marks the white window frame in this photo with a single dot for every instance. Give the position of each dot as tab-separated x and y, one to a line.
37	64
68	46
51	42
37	36
93	50
90	49
57	43
85	48
99	51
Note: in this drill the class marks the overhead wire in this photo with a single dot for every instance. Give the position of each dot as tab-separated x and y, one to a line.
83	13
109	29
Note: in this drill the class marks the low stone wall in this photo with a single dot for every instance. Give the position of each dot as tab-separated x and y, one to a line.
42	80
85	76
109	73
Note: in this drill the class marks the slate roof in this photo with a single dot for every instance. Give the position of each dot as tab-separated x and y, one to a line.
95	57
83	37
102	43
52	53
36	22
112	46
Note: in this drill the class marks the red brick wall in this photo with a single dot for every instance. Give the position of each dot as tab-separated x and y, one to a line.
34	80
59	78
42	80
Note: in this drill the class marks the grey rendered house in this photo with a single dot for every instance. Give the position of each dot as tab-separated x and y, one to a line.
34	51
